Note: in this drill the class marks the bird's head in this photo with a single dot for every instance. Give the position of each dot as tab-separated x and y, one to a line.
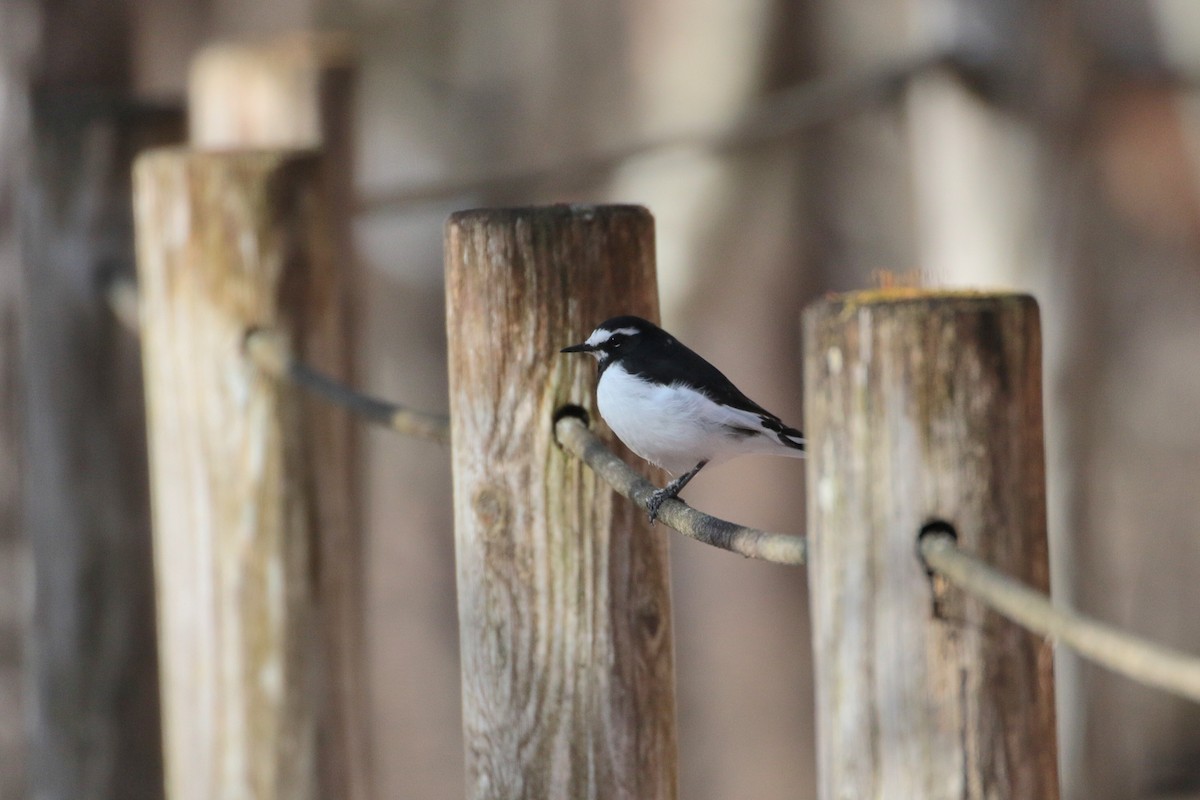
616	337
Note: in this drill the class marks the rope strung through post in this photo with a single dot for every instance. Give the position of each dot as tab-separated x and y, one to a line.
922	403
574	435
1139	660
1145	662
1135	658
270	352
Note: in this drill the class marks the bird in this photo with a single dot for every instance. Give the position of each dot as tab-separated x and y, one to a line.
674	409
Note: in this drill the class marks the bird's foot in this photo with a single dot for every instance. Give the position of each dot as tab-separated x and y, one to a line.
655	502
672	489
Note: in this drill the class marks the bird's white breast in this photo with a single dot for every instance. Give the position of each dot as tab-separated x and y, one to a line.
671	426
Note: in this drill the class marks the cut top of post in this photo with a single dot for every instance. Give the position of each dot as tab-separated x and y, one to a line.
917	294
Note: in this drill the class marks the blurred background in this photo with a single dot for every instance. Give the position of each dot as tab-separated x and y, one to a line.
787	148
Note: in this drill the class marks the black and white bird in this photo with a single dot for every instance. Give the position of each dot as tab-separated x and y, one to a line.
673	408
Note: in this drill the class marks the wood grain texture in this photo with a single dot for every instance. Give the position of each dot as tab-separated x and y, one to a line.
297	91
564	609
919	407
247	474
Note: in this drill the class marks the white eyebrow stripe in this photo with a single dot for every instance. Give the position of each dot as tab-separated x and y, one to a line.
600	335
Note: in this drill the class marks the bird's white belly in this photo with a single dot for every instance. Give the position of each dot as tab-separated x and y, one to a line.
671	427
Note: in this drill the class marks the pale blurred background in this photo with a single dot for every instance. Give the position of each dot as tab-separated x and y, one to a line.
1051	147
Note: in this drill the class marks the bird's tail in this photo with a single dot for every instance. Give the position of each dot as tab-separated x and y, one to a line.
794	440
788	437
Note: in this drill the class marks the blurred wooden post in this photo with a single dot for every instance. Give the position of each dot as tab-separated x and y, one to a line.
564	603
15	577
90	691
240	465
297	91
923	407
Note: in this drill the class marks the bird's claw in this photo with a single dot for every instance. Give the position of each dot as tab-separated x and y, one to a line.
655	502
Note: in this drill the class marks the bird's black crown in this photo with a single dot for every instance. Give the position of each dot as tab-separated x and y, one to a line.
618	337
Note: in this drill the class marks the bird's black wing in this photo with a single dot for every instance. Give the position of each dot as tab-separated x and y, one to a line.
674	363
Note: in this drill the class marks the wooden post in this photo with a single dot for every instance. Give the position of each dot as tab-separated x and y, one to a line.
240	464
926	407
297	91
90	693
16	142
563	596
93	700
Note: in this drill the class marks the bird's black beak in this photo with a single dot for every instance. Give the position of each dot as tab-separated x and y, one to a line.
582	347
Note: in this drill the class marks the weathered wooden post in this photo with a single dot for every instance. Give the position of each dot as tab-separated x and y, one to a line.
926	407
297	92
242	466
564	609
71	124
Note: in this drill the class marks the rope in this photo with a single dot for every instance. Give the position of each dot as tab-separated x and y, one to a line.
270	352
1123	653
575	437
122	296
1145	662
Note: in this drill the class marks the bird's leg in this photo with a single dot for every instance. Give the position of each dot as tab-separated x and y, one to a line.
672	489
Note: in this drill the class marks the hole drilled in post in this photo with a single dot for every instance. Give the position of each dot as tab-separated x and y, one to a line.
940	528
937	527
570	410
